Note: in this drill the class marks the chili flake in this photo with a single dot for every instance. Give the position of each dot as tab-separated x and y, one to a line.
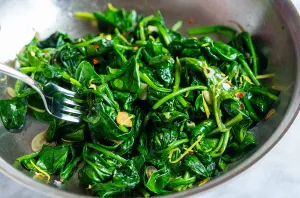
240	95
190	21
242	106
95	61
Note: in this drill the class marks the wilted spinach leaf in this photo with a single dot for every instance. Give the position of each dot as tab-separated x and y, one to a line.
13	112
162	112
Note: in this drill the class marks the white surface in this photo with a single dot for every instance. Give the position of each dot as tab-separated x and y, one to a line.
276	175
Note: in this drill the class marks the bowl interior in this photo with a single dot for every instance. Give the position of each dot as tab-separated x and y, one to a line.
267	20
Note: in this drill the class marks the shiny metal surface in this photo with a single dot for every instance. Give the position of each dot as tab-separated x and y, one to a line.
54	97
274	22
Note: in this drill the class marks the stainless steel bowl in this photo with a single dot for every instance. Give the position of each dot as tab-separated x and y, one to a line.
274	22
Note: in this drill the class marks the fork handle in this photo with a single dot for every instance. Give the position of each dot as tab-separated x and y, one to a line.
20	76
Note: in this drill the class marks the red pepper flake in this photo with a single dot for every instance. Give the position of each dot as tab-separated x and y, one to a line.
190	21
242	106
240	95
95	61
96	46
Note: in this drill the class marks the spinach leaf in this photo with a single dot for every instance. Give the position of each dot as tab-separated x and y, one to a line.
104	125
130	80
158	180
195	164
13	112
124	179
68	58
163	67
162	112
55	40
52	159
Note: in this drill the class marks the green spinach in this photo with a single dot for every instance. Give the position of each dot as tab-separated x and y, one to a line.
163	112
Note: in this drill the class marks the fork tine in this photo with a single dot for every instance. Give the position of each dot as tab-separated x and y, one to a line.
67	117
59	99
69	110
64	91
69	102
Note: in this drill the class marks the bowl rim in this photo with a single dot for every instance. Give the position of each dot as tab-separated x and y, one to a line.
292	19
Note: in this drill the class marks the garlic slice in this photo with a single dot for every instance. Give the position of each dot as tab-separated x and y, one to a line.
11	92
38	141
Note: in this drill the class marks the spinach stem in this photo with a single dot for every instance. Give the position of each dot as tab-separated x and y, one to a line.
228	124
143	191
85	15
65	75
262	92
174	94
36	109
252	51
142	24
182	181
75	82
121	36
266	76
177	82
216	108
206	109
85	43
249	107
112	8
149	82
177	26
26	157
177	74
139	42
26	70
219	150
107	153
248	71
173	145
235	120
220	29
186	151
69	169
124	47
164	33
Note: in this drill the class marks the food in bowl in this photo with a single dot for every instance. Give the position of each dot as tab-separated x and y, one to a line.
164	112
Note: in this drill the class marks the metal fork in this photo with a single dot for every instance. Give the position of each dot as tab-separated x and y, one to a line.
58	101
